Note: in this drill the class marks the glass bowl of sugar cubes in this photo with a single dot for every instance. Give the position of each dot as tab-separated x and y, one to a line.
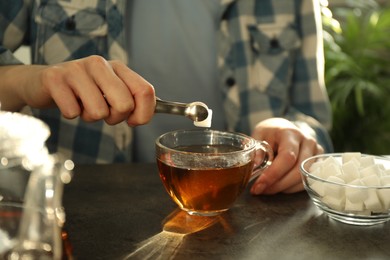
351	187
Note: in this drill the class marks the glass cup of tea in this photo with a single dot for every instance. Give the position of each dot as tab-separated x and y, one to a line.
204	171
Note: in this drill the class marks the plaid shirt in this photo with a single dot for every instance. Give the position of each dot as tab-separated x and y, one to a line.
270	60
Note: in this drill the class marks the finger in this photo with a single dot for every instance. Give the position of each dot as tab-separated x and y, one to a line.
274	173
289	180
115	91
296	188
66	102
287	155
94	106
320	149
60	92
142	92
292	180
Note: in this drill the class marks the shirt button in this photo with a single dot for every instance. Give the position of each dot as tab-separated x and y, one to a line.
274	43
230	82
70	23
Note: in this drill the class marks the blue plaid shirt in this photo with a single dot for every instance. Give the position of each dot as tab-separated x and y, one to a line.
270	60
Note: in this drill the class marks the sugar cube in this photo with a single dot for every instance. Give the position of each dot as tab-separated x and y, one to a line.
367	161
334	190
335	203
331	160
318	187
353	206
371	170
384	197
349	156
356	194
350	171
372	202
315	166
371	180
330	170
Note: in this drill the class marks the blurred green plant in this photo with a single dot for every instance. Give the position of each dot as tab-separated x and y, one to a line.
357	75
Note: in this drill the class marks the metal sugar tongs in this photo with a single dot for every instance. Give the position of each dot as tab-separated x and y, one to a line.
196	111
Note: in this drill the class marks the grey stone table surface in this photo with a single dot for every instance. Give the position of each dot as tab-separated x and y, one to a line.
122	211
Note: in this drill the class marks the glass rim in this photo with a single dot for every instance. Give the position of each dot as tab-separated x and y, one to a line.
251	141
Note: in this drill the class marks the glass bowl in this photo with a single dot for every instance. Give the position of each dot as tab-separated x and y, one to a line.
352	188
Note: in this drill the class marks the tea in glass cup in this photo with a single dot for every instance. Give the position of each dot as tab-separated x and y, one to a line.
204	171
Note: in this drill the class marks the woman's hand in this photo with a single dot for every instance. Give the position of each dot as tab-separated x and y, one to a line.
92	88
291	146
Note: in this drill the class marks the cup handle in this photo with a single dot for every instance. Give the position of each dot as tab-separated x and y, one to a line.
264	148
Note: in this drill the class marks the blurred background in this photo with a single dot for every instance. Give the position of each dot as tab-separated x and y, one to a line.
357	71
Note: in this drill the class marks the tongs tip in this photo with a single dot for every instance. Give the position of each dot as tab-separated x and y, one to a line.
200	114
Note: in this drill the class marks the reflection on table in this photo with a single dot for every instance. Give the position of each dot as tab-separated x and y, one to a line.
122	211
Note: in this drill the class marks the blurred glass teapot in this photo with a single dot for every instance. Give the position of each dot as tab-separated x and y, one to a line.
31	188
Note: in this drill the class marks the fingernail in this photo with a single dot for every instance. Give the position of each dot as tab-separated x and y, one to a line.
259	188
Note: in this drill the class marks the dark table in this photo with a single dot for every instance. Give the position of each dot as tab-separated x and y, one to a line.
122	211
